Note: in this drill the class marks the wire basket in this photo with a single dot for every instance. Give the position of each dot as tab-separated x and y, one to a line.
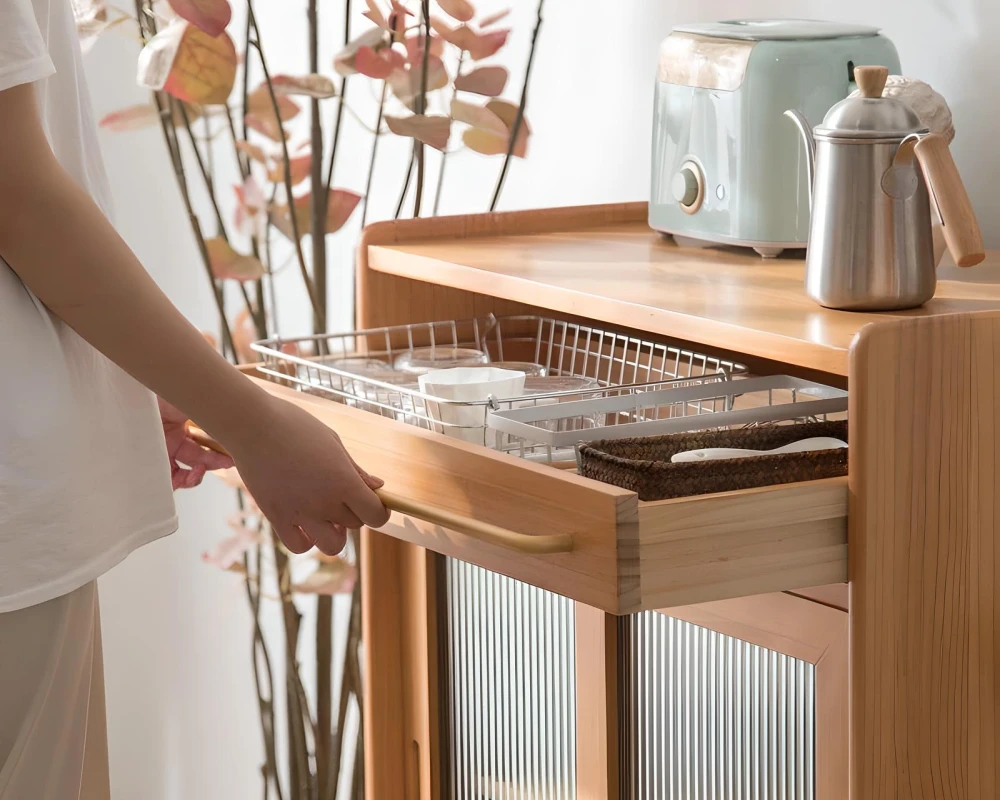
619	365
678	408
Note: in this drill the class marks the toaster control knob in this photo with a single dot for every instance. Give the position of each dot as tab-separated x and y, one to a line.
688	187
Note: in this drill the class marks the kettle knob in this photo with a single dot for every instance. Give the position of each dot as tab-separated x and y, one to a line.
688	187
871	80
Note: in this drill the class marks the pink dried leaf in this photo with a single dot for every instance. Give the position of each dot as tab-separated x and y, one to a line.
131	118
405	82
260	104
312	85
462	10
372	64
299	168
488	43
187	63
226	263
487	81
490	144
330	578
494	18
343	62
478	117
374	13
251	151
432	130
415	48
340	205
212	16
266	126
229	552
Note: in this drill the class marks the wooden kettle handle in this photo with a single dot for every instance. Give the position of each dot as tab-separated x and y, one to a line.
473	528
961	229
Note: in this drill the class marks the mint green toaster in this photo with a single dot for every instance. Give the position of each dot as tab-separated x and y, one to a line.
728	166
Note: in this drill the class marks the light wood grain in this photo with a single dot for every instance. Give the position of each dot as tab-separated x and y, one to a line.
735	544
923	559
871	80
605	264
961	229
808	631
597	677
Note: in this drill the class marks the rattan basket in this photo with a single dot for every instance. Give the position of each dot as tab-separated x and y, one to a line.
644	466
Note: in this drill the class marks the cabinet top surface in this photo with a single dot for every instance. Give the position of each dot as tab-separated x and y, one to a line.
620	272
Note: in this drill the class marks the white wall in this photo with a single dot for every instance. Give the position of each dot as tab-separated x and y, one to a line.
182	715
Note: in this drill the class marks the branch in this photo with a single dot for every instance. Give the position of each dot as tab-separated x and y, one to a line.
519	119
444	154
255	43
418	146
317	207
406	187
371	163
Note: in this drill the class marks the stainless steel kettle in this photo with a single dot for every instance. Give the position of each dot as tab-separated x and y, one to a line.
873	169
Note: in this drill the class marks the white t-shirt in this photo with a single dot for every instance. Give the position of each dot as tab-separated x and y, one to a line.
84	476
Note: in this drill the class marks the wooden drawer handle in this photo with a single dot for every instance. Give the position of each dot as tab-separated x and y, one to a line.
473	528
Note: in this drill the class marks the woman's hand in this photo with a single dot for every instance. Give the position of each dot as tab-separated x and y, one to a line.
304	480
188	460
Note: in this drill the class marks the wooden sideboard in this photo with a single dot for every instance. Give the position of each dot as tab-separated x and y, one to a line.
912	527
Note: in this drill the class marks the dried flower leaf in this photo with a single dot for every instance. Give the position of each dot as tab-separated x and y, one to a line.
227	263
478	117
415	48
228	553
340	205
488	81
487	43
312	85
92	19
432	130
462	10
493	19
299	169
260	104
186	62
374	13
490	144
131	118
343	62
266	126
479	45
250	217
405	81
373	64
251	151
330	577
244	335
212	16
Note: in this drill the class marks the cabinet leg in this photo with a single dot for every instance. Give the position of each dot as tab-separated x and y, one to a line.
925	447
401	680
597	664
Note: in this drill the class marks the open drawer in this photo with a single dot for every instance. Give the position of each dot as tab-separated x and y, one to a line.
625	555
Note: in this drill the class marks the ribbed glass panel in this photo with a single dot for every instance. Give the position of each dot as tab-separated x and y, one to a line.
710	717
511	689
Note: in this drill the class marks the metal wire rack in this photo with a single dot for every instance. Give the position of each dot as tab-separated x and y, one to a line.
620	364
678	408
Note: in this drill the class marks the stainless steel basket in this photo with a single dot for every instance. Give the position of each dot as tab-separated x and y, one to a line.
621	365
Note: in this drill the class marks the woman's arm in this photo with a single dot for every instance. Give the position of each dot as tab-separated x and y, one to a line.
63	248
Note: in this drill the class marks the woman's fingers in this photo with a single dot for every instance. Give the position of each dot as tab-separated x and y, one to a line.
329	537
293	537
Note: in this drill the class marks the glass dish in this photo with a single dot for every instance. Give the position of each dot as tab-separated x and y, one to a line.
424	359
529	368
559	383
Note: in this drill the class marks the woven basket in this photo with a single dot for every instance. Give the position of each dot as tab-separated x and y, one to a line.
644	466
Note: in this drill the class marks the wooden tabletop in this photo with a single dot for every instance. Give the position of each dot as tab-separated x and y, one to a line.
625	274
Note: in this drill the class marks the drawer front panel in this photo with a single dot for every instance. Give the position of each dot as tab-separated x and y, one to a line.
511	689
711	717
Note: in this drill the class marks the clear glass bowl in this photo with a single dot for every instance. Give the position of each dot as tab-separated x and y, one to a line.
424	359
559	383
529	368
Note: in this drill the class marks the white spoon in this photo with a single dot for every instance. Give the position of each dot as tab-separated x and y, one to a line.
801	446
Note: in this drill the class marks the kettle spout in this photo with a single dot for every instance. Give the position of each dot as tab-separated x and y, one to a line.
805	129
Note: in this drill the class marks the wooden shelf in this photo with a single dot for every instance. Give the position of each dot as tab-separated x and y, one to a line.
604	263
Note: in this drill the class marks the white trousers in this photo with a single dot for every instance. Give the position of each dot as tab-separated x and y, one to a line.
53	730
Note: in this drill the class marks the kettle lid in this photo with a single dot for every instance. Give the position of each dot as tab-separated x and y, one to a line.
763	30
870	116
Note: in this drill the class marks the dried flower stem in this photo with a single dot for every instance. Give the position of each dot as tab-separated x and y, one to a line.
444	153
406	187
325	766
350	655
371	162
418	146
318	197
310	290
265	704
519	119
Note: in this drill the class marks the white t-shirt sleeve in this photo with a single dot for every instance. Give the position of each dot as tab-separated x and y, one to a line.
23	55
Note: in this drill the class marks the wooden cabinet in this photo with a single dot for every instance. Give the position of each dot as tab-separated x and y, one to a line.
912	527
